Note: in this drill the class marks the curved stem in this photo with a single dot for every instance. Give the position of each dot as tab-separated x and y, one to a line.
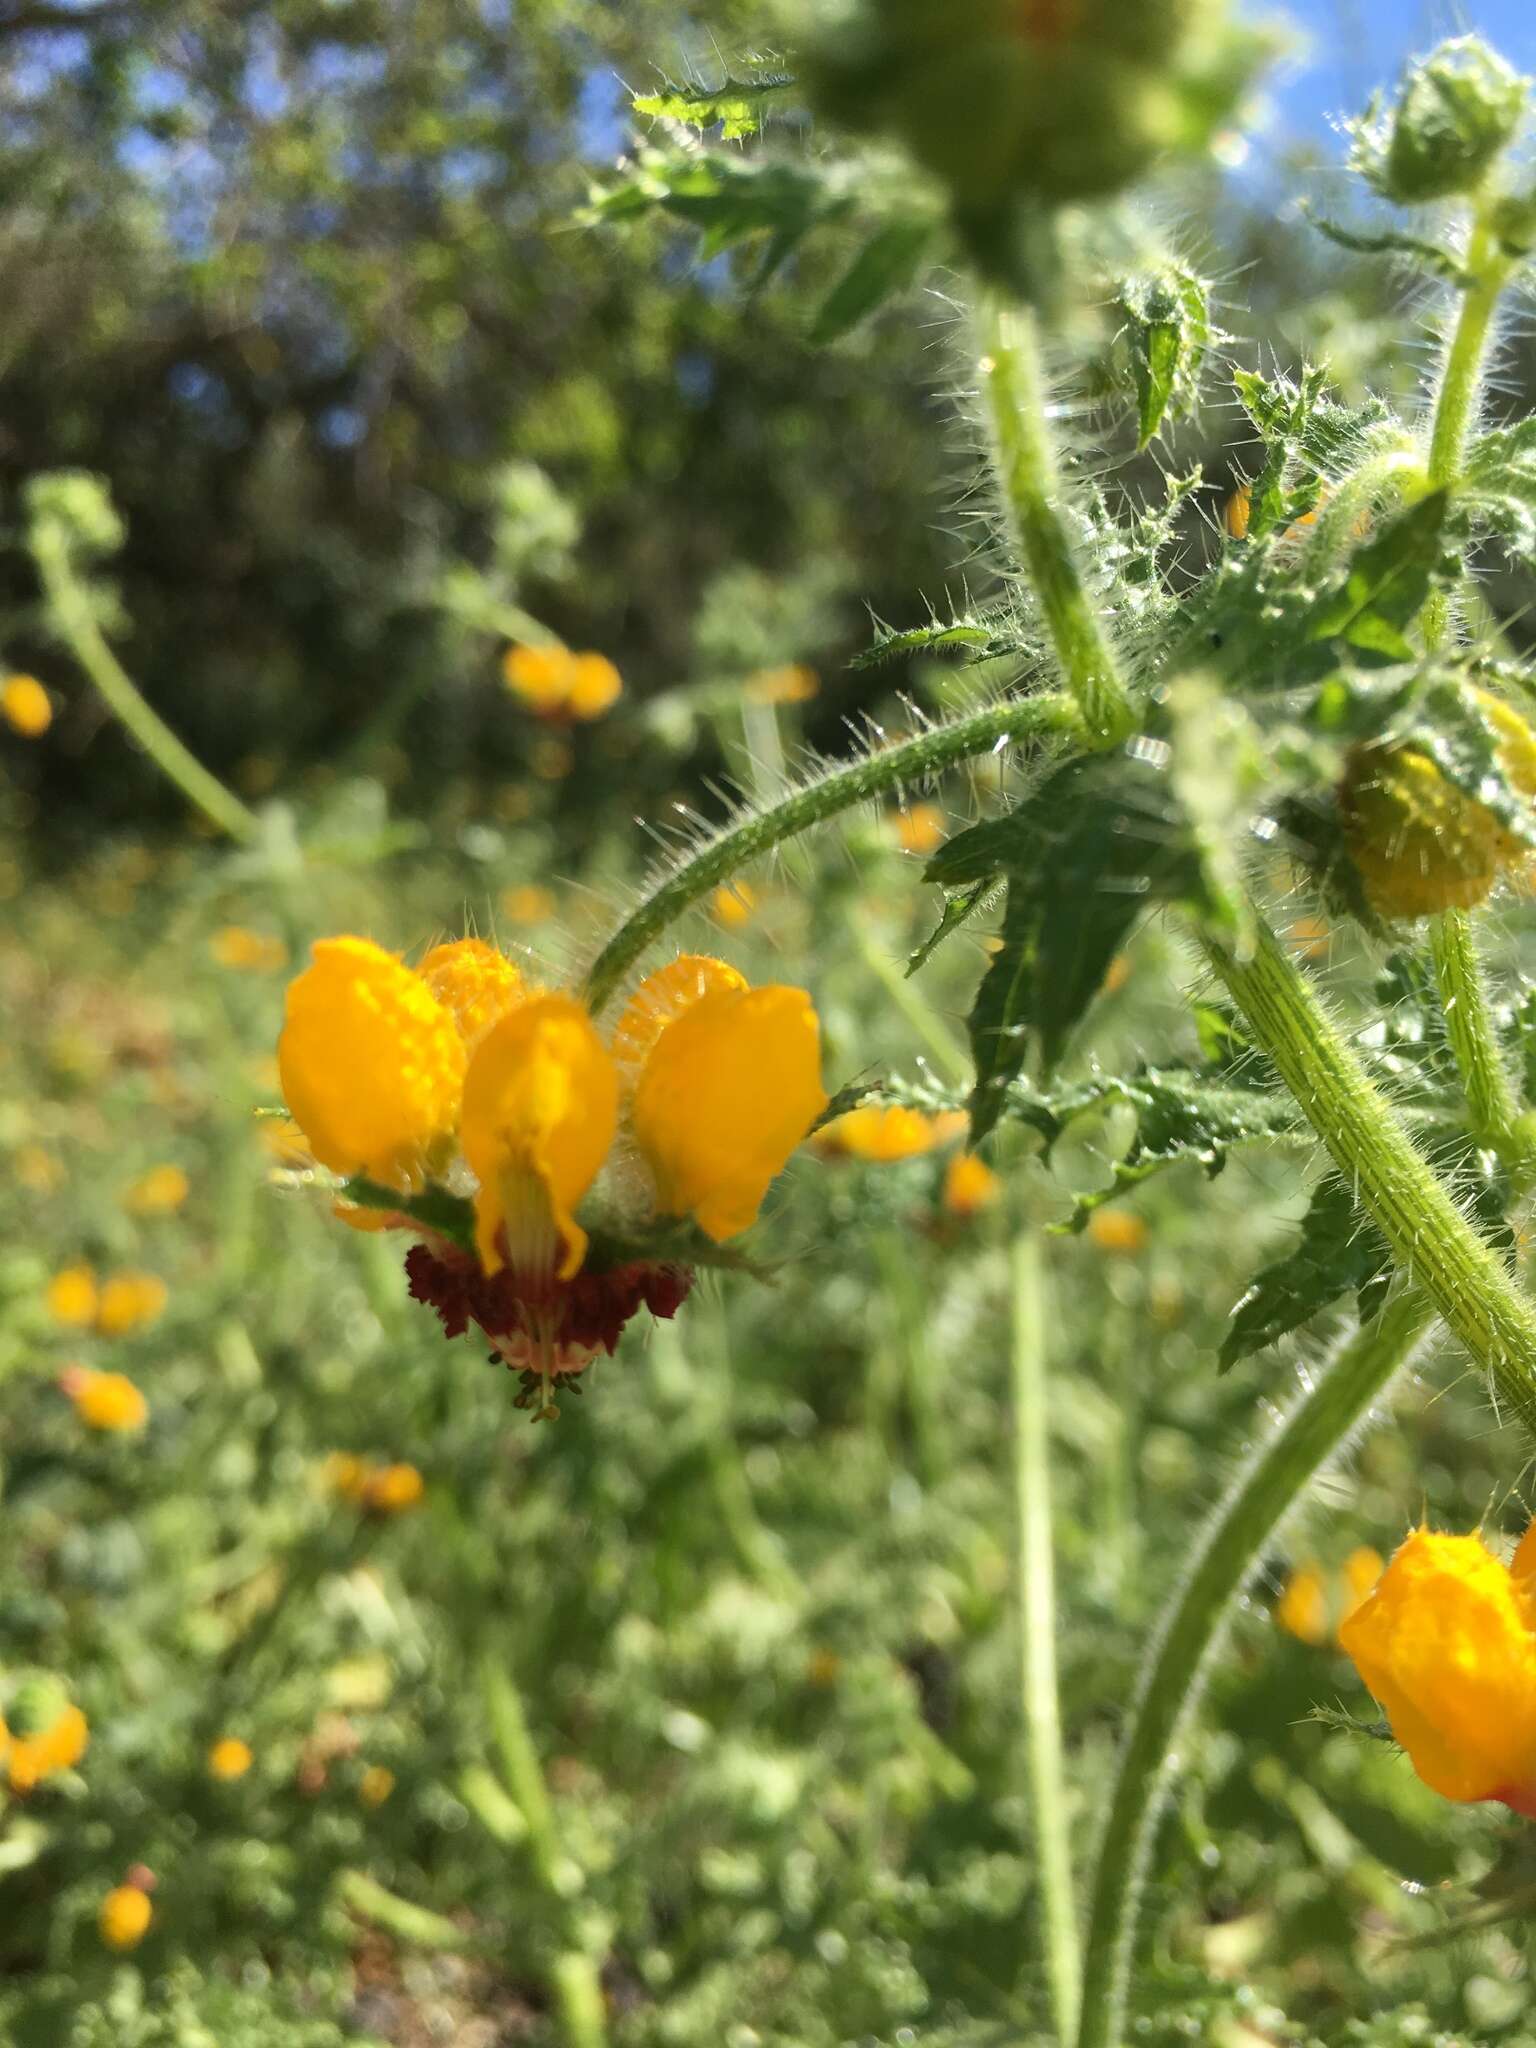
1469	1026
71	612
1431	1240
1037	1632
1268	1486
1013	379
837	789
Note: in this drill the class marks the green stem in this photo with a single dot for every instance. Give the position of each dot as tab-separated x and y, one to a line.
1267	1487
1038	1688
574	1973
1469	1026
1013	378
415	1924
838	789
70	607
1431	1240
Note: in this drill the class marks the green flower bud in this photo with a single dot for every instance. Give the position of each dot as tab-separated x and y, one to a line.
1459	110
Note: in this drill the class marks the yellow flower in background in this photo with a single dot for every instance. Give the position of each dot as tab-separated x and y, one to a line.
734	904
1120	1231
129	1301
729	1090
920	829
26	706
1302	1609
970	1185
375	1785
473	981
1362	1569
50	1734
230	1758
372	1064
124	1918
556	683
72	1297
160	1192
1447	1644
884	1136
247	952
37	1170
541	1106
792	684
528	903
107	1401
392	1489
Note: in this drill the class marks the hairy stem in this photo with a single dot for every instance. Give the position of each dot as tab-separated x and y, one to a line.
1014	382
1226	1553
71	612
1431	1240
878	774
1037	1632
574	1973
1469	1026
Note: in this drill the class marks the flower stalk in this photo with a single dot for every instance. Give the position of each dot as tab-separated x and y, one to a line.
1268	1487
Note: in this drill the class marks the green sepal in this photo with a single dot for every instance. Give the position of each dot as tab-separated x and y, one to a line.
435	1209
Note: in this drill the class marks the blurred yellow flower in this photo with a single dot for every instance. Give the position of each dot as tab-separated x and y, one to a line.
970	1185
1118	1230
734	903
125	1916
160	1192
392	1489
51	1735
230	1758
1362	1569
528	903
105	1400
375	1785
1447	1644
72	1297
26	706
1302	1609
791	684
920	828
372	1064
37	1170
555	683
248	952
883	1136
128	1301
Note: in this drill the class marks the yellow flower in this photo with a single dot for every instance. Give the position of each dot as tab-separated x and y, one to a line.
970	1185
230	1758
1447	1644
248	952
105	1400
128	1301
72	1297
541	1106
1362	1569
475	982
1119	1231
372	1064
728	1091
56	1744
528	903
125	1916
1302	1609
920	828
792	684
392	1489
659	999
26	706
160	1192
885	1136
734	903
375	1785
556	683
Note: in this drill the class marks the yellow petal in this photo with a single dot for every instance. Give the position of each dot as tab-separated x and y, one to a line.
663	997
1445	1643
474	981
541	676
729	1090
1302	1609
26	706
593	686
541	1105
371	1063
885	1136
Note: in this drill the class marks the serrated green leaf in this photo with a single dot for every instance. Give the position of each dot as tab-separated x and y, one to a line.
1168	332
1339	1253
1428	255
957	911
728	198
1004	1011
981	634
885	265
737	106
1388	584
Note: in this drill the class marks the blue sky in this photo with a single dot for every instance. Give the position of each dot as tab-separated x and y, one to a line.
1356	45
